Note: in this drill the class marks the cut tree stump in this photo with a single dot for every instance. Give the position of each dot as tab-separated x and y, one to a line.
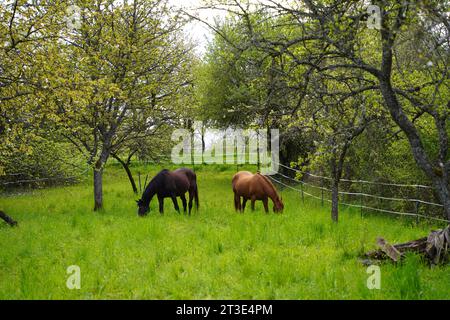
8	219
435	248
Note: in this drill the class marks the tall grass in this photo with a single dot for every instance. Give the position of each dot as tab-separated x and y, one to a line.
214	254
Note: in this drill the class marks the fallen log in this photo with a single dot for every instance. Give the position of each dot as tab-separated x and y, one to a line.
389	250
438	245
435	248
8	219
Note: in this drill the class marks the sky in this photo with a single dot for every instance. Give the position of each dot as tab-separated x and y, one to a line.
196	30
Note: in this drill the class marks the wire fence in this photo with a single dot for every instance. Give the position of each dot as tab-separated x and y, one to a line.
361	195
37	181
365	194
359	181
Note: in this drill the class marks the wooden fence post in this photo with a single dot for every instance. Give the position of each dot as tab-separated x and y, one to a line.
361	190
417	211
301	188
321	189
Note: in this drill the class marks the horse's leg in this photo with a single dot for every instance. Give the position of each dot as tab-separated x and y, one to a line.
191	196
253	203
161	204
244	202
266	206
183	200
175	203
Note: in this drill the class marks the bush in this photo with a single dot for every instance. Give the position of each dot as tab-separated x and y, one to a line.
44	163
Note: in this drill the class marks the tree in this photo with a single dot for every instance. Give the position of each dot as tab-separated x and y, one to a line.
335	115
333	35
25	27
122	60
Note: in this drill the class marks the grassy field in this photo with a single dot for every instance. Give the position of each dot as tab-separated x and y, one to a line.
214	254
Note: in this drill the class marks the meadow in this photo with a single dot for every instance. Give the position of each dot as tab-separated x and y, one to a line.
215	253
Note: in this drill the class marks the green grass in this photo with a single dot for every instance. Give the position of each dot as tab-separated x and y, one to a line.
214	254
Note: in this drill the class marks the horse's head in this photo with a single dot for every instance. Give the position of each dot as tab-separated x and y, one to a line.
278	205
142	208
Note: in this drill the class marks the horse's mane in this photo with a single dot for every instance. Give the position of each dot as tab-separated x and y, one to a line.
154	183
270	183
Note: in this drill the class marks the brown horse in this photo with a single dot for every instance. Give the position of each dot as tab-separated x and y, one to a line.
254	187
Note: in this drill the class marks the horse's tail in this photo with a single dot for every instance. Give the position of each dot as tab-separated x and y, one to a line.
193	178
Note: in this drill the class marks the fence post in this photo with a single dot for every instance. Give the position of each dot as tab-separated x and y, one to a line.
361	190
417	211
301	188
321	185
417	204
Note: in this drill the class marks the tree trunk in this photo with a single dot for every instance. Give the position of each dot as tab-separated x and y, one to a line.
125	165
440	181
334	188
337	165
98	188
98	173
442	189
417	148
203	142
203	132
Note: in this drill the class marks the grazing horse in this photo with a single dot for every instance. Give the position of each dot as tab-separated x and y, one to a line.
170	184
254	187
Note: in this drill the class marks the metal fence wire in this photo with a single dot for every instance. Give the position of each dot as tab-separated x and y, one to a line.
414	201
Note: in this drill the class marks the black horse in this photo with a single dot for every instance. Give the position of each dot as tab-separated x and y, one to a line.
171	184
